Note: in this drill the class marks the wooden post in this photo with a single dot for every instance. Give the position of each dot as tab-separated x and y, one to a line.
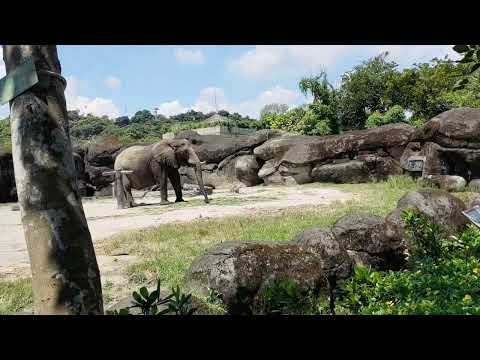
65	274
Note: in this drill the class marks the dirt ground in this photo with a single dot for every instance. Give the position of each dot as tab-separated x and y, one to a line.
105	220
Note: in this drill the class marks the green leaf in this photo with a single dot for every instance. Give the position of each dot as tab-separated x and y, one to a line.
460	84
474	68
153	296
144	292
138	298
461	48
164	311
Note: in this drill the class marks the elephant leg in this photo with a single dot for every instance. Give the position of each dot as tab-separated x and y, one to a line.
174	177
160	175
120	192
128	191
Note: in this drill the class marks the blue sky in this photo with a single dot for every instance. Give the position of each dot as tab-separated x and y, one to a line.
120	80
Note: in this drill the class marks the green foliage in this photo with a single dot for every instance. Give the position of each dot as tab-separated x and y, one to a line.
364	91
15	295
321	117
471	57
276	109
285	297
443	279
424	89
5	135
180	303
177	302
395	114
215	298
425	237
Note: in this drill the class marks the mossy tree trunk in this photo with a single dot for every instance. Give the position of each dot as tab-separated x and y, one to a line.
65	274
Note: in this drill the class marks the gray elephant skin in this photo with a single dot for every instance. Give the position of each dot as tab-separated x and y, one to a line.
152	165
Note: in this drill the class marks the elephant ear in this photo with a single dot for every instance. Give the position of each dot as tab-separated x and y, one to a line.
166	155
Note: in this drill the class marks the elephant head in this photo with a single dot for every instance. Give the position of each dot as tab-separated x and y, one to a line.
179	152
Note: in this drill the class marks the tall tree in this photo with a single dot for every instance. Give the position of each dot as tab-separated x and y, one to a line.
65	274
322	117
363	91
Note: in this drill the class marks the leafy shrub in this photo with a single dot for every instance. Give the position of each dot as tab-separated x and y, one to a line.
374	120
444	277
395	114
425	238
286	298
177	302
5	136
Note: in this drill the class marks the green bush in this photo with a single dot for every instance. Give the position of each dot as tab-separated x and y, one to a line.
443	277
374	120
176	303
395	114
5	136
286	298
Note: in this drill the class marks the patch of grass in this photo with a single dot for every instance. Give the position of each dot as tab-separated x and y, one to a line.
15	296
168	250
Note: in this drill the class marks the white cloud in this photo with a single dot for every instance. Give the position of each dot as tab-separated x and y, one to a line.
265	62
113	82
171	108
187	56
98	106
206	102
268	61
211	99
277	95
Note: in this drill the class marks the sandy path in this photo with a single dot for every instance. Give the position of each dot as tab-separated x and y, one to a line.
104	220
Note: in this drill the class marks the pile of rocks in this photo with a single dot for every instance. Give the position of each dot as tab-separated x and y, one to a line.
449	143
317	259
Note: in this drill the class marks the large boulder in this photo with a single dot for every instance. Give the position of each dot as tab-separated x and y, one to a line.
437	205
246	169
239	271
451	183
96	177
451	161
474	185
8	191
215	148
456	128
364	238
301	150
365	169
354	171
336	261
102	152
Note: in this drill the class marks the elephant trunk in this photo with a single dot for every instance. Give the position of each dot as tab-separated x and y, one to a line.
198	174
195	161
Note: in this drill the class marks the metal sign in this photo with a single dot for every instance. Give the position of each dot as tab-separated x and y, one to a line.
18	81
473	215
415	163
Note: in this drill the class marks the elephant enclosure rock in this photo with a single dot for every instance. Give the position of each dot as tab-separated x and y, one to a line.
449	143
355	156
239	271
437	205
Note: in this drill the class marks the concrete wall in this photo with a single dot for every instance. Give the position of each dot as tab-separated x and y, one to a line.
216	130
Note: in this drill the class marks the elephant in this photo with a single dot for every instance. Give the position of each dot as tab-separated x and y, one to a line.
142	166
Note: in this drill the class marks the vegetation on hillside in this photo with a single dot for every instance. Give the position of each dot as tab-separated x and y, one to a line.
373	93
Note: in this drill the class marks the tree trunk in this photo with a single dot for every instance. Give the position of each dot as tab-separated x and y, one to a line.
65	274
